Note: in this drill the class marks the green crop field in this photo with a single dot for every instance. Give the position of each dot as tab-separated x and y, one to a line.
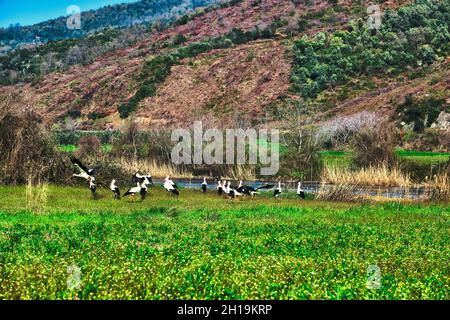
424	156
344	159
72	148
205	247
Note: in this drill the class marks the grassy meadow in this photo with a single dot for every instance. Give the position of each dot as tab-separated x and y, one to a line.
344	159
204	247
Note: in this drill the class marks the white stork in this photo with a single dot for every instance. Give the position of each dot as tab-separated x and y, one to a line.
171	187
300	191
204	185
277	191
140	188
92	187
232	192
240	188
85	172
251	191
145	179
220	188
115	189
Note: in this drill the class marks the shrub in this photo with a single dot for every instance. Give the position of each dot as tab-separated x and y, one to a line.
154	72
28	151
89	147
420	113
340	130
374	146
413	36
149	145
302	156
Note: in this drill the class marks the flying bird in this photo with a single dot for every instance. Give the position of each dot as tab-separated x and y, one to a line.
300	191
85	172
204	185
115	189
171	187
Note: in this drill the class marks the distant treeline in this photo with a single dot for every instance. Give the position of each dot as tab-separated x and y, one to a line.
70	48
120	15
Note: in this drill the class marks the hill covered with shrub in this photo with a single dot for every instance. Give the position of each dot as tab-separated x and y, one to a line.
281	63
121	15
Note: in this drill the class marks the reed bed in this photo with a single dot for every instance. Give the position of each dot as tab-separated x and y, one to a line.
438	190
157	170
338	192
380	176
241	172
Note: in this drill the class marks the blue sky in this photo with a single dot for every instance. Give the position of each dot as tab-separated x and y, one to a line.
27	12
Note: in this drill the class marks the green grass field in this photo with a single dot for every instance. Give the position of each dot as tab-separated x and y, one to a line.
424	156
205	247
344	159
106	148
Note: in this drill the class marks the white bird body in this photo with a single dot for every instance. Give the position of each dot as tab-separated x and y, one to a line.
85	172
204	185
300	191
141	188
83	175
220	188
231	192
115	189
170	186
92	187
144	179
134	190
277	191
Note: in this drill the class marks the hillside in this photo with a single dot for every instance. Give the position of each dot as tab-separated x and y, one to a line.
121	15
215	66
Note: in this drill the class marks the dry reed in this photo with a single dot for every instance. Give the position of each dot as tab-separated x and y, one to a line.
438	190
380	176
36	194
156	170
241	172
338	192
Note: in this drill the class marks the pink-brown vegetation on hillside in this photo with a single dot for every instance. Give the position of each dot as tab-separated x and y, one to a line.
220	86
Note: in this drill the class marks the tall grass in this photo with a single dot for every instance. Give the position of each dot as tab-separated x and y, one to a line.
380	176
438	190
338	192
36	195
157	170
241	172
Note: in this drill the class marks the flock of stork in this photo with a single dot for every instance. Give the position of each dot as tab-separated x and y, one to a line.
144	181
